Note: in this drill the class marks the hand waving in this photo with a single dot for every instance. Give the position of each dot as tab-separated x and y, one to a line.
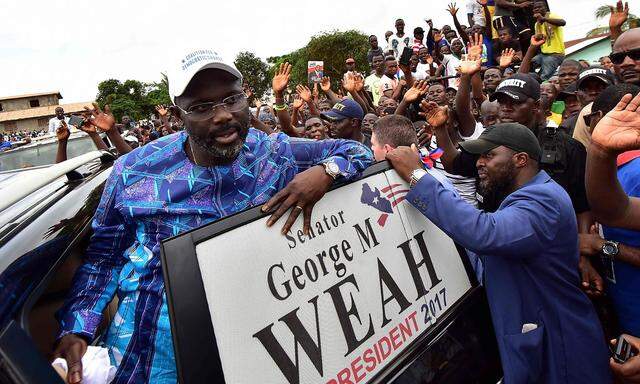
453	10
435	115
297	102
349	83
63	133
474	49
304	92
507	57
325	84
103	120
619	130
469	66
619	15
418	89
281	78
359	80
162	111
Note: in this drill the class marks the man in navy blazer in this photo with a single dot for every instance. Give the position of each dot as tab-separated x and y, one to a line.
546	327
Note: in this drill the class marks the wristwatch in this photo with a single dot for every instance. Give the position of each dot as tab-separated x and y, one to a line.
416	175
332	169
610	248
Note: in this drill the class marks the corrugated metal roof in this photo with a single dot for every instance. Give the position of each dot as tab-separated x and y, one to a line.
42	111
31	95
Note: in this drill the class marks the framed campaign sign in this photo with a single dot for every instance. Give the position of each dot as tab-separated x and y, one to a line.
346	303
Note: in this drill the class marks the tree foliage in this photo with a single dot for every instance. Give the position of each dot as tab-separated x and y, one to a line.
255	73
333	48
132	97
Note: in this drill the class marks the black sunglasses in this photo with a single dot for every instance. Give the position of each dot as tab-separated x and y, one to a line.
618	57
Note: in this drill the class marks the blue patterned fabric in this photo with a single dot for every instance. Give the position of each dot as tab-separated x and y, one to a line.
153	193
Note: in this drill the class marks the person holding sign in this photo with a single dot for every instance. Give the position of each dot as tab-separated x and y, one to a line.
218	166
546	327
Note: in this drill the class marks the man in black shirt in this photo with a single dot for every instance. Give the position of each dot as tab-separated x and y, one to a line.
375	50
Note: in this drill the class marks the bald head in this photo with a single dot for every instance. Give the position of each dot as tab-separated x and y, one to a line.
626	68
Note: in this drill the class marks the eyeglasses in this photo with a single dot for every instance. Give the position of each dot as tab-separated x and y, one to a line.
206	111
618	57
588	118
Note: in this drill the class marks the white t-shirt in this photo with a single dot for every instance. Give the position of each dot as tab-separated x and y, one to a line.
54	124
466	186
478	13
450	63
387	83
398	43
423	68
372	84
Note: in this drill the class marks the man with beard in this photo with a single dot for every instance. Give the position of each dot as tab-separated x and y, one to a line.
216	167
529	248
345	122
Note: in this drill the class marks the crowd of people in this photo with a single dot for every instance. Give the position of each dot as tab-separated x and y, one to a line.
539	154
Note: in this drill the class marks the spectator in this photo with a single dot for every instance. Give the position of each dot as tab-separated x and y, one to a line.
418	40
345	122
492	78
625	57
6	145
550	27
399	40
475	13
506	41
367	123
505	15
605	61
56	121
389	84
425	66
591	82
572	108
374	50
388	49
568	73
350	65
531	241
489	113
315	129
373	82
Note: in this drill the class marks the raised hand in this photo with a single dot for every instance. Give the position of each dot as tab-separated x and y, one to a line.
304	92
429	59
619	14
452	9
87	126
437	37
435	115
474	49
349	83
63	133
506	58
325	84
315	91
469	66
537	40
297	102
359	82
418	89
162	111
539	18
103	120
619	130
281	78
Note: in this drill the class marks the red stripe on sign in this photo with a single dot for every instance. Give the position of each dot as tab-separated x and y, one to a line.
382	219
398	201
387	189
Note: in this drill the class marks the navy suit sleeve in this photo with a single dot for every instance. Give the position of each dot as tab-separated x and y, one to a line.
520	229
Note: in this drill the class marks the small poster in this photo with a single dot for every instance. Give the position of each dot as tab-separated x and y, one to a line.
315	71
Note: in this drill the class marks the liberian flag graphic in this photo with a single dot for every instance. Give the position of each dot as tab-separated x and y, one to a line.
380	199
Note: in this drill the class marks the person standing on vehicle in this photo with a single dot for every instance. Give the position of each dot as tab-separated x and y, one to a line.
547	329
216	167
56	121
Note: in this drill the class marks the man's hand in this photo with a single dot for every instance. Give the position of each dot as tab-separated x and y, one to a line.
469	66
359	81
425	133
429	59
405	160
629	372
349	83
537	40
474	49
325	84
304	92
435	115
619	130
63	133
429	23
71	348
618	15
592	283
590	243
281	78
103	120
418	89
297	102
453	10
506	58
301	194
437	37
162	110
539	18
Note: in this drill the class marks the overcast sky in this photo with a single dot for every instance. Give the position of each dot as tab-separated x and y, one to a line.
71	45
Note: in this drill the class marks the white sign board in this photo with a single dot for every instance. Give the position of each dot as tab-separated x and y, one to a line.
335	306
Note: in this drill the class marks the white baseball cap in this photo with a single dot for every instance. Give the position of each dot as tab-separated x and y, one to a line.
190	62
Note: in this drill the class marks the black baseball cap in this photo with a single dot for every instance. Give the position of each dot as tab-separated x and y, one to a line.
570	90
418	30
512	135
519	87
595	72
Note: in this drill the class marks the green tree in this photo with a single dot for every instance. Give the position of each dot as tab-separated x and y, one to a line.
604	11
132	97
255	73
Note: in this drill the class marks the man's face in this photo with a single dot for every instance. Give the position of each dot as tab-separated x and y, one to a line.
437	94
59	113
475	29
419	35
391	68
555	80
504	35
377	63
341	129
125	121
568	74
387	35
315	129
351	66
451	35
423	53
571	105
446	28
489	113
413	63
386	104
589	89
606	62
379	151
400	26
222	134
492	78
629	69
324	106
539	7
456	47
368	121
497	172
549	91
513	111
451	95
373	41
445	50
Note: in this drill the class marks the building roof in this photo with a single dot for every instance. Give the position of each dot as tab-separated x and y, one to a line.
57	93
39	112
584	42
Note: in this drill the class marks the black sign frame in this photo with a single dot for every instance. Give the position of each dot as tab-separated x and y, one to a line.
198	361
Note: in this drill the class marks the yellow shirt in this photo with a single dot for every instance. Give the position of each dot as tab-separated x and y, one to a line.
553	35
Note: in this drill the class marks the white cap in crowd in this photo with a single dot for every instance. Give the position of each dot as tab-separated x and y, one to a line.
190	62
